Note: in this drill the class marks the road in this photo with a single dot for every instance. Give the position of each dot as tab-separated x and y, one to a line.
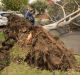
72	41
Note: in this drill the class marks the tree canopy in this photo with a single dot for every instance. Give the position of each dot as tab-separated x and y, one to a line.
14	4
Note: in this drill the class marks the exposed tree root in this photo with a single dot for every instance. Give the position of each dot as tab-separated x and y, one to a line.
45	51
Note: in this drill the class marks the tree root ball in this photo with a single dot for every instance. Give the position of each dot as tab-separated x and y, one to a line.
44	50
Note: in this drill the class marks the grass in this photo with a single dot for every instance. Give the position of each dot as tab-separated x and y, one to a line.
23	69
1	36
17	51
77	58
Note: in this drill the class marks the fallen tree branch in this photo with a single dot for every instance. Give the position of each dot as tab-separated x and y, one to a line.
62	7
62	22
76	24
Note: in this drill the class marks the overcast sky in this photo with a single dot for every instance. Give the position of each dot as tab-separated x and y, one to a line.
30	1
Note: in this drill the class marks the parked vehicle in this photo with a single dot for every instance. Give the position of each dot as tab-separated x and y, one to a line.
3	17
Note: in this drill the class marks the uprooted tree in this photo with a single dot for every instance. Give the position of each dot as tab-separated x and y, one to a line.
64	21
65	12
68	11
43	50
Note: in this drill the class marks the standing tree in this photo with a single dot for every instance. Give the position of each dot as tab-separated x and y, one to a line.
14	4
39	6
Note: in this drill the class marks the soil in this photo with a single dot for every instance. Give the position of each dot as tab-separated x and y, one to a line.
44	50
4	57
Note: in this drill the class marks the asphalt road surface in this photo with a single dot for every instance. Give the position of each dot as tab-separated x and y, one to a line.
72	41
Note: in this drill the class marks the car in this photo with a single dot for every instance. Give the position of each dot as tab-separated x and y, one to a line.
3	17
3	20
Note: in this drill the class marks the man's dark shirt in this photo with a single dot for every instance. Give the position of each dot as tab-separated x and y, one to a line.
28	15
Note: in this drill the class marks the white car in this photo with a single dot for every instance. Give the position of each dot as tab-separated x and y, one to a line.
3	18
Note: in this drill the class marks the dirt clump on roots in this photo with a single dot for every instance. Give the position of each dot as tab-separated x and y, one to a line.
4	57
48	52
44	50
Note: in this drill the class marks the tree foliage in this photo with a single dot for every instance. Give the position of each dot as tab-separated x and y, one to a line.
40	6
14	4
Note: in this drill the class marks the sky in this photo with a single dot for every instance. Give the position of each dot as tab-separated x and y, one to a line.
31	1
0	2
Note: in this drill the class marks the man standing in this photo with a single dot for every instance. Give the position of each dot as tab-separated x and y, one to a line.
29	15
